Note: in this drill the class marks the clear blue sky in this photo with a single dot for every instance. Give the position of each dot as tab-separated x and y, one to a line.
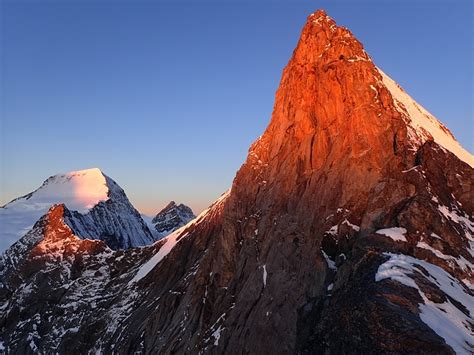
166	96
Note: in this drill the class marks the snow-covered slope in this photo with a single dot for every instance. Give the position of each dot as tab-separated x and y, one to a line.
424	126
97	208
173	238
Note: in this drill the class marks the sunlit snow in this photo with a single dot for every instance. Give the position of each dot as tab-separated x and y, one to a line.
396	233
424	123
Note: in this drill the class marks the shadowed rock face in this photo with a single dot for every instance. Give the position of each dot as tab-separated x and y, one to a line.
172	217
294	258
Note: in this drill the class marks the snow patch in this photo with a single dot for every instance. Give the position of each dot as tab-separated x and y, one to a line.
331	264
423	124
353	226
396	233
461	262
445	319
265	275
333	230
217	335
165	249
456	217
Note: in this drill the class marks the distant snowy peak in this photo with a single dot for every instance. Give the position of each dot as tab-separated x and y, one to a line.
423	126
96	208
78	190
172	217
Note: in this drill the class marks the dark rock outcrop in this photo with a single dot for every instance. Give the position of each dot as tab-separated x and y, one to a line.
172	217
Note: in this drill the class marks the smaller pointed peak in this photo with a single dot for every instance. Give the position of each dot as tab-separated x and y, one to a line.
169	206
321	18
320	13
323	41
56	210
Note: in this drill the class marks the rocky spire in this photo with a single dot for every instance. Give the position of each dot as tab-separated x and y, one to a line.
334	126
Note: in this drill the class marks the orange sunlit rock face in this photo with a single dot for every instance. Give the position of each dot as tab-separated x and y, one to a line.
59	242
332	122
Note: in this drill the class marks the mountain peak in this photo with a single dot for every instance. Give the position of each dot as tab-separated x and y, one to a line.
320	17
78	190
172	217
170	205
319	13
322	40
83	194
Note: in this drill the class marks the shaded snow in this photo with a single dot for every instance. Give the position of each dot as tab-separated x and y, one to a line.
423	124
396	233
265	275
461	220
331	263
460	260
151	227
333	230
217	335
445	319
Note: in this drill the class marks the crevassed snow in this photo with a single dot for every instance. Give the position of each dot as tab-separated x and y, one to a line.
78	190
396	233
424	123
171	240
444	318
